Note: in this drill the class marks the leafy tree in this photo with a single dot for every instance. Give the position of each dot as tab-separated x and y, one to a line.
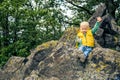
26	24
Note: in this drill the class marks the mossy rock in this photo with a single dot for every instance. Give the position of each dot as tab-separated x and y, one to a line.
49	44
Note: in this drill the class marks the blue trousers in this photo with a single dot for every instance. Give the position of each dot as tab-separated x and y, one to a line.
86	50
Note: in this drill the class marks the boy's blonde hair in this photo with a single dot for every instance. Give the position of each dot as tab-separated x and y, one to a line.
85	23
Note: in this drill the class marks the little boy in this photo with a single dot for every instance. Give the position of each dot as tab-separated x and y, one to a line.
85	36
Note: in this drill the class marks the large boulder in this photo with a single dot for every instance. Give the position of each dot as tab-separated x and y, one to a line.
109	32
60	60
19	67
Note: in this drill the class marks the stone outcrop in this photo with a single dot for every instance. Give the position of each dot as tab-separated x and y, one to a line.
60	60
17	68
108	35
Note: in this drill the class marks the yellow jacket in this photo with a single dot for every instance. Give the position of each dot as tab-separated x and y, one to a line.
87	40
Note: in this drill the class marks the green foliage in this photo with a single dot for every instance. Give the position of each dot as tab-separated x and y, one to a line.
3	59
18	48
23	26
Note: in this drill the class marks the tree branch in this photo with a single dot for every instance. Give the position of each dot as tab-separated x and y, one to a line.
80	7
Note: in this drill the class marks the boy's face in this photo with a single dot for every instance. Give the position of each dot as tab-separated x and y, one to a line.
83	28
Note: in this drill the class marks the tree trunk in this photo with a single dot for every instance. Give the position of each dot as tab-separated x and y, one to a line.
111	7
5	31
15	30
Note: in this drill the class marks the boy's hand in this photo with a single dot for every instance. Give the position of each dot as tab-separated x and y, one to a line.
99	19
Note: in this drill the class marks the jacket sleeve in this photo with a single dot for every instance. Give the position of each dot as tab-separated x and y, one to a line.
95	28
